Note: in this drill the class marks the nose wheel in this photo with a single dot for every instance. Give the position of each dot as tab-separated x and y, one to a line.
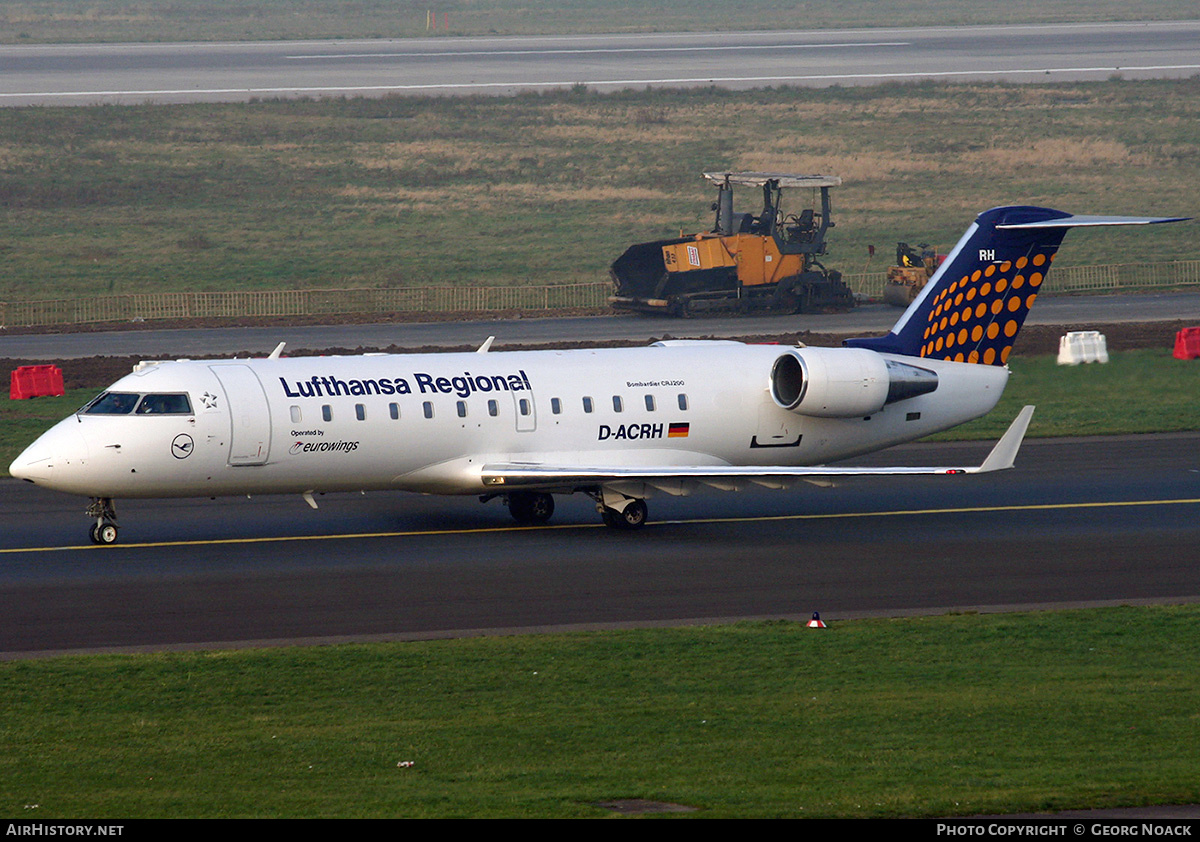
104	531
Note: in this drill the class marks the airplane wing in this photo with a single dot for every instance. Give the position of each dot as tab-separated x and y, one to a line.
531	474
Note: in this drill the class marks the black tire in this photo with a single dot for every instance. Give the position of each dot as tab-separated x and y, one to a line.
531	507
633	517
105	533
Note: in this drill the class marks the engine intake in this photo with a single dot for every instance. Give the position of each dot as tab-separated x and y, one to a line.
844	382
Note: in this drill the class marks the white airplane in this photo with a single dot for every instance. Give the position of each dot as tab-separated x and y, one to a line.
620	425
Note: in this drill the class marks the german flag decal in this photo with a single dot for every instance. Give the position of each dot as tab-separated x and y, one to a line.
678	431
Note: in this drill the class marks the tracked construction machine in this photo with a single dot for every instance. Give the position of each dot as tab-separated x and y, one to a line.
765	262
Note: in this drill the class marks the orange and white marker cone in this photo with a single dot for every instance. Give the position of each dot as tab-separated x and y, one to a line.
815	622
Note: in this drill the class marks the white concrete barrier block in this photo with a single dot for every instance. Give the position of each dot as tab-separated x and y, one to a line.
1082	346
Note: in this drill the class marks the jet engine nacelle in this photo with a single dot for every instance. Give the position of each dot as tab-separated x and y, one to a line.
844	382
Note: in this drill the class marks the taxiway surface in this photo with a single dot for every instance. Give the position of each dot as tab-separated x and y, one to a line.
1081	521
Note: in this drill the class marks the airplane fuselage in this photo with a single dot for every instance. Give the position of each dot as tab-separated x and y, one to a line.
430	423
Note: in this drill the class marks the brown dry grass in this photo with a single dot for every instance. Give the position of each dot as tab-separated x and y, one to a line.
325	193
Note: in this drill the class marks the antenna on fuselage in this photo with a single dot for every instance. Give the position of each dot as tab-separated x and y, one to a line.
483	349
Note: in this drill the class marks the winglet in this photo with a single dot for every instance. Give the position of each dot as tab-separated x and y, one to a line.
1004	454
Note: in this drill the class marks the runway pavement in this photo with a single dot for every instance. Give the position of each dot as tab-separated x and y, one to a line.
73	74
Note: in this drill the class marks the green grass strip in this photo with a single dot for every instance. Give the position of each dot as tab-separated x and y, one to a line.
948	715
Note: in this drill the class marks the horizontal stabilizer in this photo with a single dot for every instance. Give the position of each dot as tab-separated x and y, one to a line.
1090	221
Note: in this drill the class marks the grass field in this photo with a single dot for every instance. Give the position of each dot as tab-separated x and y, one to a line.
33	21
543	188
951	715
1135	392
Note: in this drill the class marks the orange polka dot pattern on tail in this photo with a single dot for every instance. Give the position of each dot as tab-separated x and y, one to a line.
976	318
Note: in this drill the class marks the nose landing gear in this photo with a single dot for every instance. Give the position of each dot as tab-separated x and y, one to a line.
104	531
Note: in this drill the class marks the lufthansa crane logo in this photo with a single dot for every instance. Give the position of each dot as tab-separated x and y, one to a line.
181	447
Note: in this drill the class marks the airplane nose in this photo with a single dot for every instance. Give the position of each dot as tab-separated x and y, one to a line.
57	450
35	463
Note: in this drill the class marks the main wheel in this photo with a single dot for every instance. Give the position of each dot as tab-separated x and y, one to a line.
633	517
530	506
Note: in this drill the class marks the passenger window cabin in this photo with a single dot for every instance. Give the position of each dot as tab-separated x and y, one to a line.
115	403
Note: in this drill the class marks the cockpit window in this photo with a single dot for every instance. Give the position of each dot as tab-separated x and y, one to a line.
174	404
124	403
112	403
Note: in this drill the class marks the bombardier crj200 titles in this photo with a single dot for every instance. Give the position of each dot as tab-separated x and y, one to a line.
620	425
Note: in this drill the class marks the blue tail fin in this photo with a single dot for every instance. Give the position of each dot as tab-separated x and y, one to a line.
974	305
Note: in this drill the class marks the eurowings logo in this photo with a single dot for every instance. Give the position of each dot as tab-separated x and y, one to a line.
323	447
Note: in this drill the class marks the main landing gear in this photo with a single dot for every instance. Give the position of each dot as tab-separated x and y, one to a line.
534	508
530	507
633	516
104	531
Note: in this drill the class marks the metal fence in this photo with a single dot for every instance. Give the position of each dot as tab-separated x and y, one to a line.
318	302
1066	279
301	302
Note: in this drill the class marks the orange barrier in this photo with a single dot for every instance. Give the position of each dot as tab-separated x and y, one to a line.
1187	343
36	381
